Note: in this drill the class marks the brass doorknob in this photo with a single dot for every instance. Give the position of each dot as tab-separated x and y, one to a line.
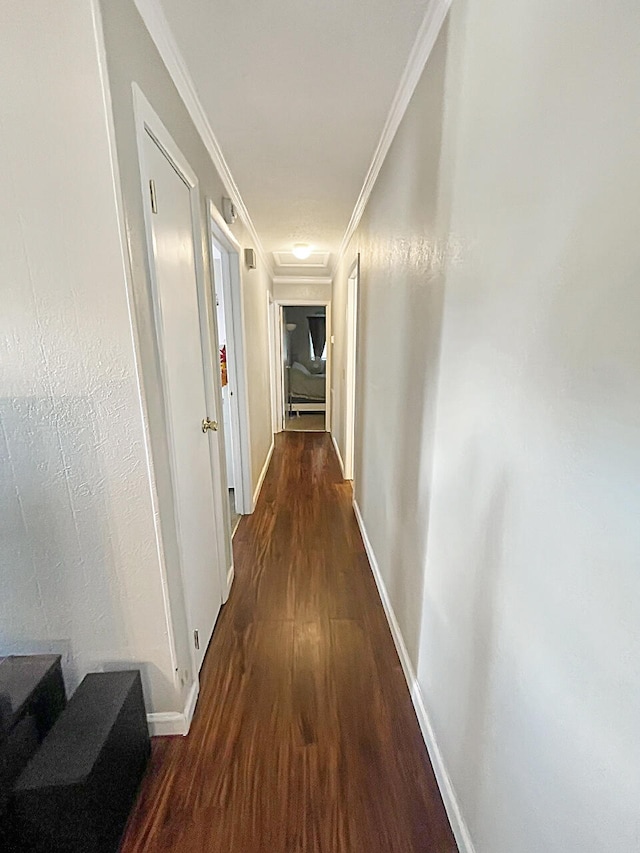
207	424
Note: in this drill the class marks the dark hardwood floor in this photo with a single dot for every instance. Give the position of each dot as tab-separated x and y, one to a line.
304	738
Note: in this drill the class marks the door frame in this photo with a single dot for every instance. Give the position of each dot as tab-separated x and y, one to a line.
275	357
148	123
351	351
220	235
326	303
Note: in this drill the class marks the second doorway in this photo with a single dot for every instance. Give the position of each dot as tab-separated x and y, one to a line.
227	292
305	367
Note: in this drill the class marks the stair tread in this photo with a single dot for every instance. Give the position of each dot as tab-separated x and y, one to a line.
20	676
70	750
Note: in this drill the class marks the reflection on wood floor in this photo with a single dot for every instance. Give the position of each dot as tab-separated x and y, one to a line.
304	737
314	421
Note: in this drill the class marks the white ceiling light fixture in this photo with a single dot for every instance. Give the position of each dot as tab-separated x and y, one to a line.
302	251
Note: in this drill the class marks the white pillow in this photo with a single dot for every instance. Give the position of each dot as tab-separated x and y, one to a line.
301	368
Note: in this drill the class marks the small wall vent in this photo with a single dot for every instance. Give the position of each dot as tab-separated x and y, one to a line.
250	258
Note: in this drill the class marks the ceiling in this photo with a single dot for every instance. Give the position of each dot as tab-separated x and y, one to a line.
297	93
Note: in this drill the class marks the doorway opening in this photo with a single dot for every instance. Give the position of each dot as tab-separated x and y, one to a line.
304	365
227	295
224	345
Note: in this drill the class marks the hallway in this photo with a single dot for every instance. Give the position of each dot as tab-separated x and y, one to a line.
304	737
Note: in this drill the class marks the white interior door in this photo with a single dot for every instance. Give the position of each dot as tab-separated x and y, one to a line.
184	377
225	332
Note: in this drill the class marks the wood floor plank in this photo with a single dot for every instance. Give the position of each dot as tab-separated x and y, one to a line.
304	738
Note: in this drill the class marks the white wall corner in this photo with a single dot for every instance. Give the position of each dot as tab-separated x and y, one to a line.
263	473
447	792
164	723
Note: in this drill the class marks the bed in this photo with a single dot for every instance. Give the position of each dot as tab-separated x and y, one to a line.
307	390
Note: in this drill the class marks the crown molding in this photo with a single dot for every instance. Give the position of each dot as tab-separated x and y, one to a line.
316	260
420	52
156	23
302	279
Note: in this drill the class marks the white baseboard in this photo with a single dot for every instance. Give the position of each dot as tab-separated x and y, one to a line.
338	454
263	473
230	576
227	590
190	706
165	723
458	825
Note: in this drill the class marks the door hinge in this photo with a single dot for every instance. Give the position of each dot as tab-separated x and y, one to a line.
152	192
196	639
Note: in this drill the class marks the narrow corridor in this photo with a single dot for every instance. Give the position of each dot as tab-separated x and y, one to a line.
304	737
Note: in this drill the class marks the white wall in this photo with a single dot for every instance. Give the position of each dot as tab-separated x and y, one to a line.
256	284
133	57
511	555
80	566
79	569
303	289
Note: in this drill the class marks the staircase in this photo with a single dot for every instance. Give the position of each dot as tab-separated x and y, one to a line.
69	771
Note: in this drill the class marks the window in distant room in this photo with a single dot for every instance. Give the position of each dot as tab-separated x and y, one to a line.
317	336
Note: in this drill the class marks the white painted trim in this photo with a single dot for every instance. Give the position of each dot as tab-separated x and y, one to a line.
351	347
309	407
451	804
329	331
279	353
420	52
297	301
321	262
230	576
149	124
190	706
338	454
225	233
301	279
233	295
263	473
165	723
233	530
135	336
156	23
273	372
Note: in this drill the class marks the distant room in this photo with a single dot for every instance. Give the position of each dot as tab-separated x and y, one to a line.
305	367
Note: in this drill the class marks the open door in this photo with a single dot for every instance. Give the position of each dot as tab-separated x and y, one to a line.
228	301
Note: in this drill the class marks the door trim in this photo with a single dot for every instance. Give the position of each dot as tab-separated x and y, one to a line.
351	345
276	423
326	303
148	123
274	314
137	347
233	293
